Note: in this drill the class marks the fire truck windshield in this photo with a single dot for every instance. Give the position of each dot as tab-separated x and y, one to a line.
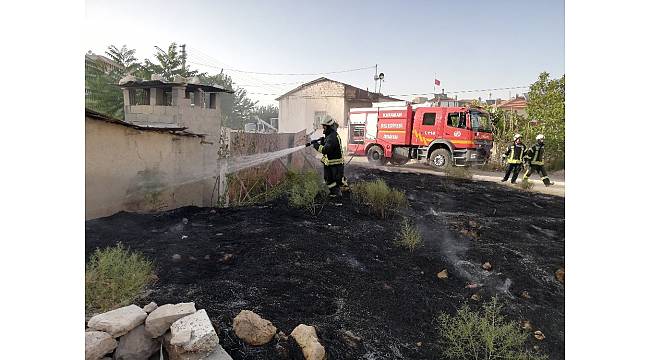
480	121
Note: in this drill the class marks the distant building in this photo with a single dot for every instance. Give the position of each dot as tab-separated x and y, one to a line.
443	100
304	106
108	64
518	106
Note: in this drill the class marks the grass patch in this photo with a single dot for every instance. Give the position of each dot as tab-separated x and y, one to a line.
526	185
483	335
304	190
409	236
379	197
114	277
461	172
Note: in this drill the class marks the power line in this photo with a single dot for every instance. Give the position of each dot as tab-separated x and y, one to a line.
302	74
464	91
414	94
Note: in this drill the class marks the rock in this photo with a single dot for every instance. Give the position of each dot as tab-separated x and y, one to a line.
136	344
213	211
227	257
443	274
217	354
207	257
251	328
119	321
471	286
181	338
526	325
185	221
476	297
473	224
487	266
176	257
183	237
539	335
559	275
525	295
203	336
164	316
192	258
306	337
350	339
418	344
150	307
98	344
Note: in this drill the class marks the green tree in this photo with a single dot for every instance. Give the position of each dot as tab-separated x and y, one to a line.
125	57
170	64
102	95
546	106
267	112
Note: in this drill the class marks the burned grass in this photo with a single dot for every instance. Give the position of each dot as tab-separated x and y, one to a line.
342	271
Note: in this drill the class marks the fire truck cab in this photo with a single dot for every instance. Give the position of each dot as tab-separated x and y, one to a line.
397	132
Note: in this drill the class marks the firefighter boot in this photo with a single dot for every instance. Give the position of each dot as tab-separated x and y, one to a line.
547	182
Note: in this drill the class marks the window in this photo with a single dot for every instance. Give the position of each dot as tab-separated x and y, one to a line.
139	96
429	119
167	98
480	121
456	120
318	115
213	101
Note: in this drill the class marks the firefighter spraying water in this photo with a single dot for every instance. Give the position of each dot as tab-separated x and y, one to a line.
333	163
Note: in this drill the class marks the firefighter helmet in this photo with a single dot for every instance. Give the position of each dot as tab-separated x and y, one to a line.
539	137
517	136
327	120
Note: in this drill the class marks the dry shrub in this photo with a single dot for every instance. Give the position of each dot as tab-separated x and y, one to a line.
409	236
380	199
304	190
461	172
483	335
115	276
526	185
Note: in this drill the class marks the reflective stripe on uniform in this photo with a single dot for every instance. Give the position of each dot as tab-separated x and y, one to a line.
537	162
331	185
511	158
328	162
545	177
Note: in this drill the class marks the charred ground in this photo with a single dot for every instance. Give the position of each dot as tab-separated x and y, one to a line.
341	271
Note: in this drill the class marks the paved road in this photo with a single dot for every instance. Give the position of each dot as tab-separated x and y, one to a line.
557	189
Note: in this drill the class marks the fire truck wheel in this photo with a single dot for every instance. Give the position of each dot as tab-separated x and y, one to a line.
376	155
440	159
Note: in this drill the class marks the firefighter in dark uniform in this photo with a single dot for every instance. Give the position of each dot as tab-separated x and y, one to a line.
535	159
331	147
515	158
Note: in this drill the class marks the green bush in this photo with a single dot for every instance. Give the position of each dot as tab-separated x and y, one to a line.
114	277
462	172
381	199
481	336
409	236
304	190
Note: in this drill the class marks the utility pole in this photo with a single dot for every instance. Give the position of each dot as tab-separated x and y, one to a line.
376	78
183	57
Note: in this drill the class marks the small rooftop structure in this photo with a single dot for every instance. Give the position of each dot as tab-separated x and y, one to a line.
179	103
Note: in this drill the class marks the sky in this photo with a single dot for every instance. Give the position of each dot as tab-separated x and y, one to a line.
467	45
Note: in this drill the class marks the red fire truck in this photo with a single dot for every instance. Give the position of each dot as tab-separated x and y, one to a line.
397	132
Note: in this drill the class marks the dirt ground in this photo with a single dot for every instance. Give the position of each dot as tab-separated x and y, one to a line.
341	271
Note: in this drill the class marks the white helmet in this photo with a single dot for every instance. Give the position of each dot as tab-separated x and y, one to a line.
517	136
539	137
327	120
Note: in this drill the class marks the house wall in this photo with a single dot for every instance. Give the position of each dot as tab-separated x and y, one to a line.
144	171
298	109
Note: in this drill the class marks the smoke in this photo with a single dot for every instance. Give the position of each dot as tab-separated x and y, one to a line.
433	227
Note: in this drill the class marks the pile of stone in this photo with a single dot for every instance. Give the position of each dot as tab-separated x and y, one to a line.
133	333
